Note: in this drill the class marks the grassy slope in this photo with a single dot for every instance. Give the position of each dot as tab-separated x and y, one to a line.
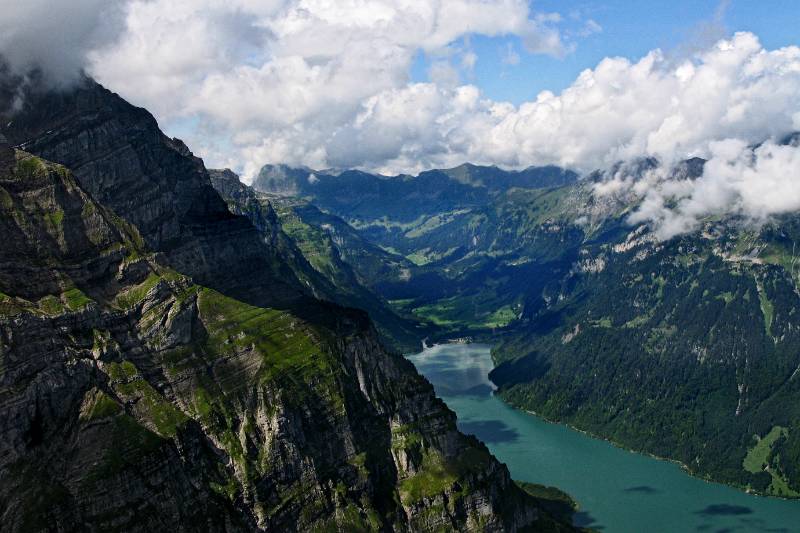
316	243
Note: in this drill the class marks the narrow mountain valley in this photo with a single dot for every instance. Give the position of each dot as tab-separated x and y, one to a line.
166	364
685	348
430	266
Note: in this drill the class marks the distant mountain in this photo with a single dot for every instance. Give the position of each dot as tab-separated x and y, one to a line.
163	368
354	194
687	348
497	180
284	180
326	254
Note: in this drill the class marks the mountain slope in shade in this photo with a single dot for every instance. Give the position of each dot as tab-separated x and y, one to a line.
163	367
686	349
318	247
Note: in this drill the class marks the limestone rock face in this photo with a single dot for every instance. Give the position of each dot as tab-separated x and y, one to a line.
242	200
161	368
6	153
121	158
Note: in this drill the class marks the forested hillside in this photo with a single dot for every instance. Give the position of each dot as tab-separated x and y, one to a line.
685	348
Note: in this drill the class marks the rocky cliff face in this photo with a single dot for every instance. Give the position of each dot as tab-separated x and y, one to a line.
242	200
162	369
315	253
125	162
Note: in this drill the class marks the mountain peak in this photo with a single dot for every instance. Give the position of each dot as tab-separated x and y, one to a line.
224	173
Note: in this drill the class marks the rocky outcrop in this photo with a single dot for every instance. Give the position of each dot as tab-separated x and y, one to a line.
162	369
242	200
315	253
122	159
282	180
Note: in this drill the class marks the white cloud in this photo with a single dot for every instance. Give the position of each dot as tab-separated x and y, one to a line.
541	37
444	74
55	36
168	50
292	57
590	28
620	110
326	89
282	80
468	60
326	84
755	183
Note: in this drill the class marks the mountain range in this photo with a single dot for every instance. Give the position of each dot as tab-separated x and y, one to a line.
685	348
168	363
181	350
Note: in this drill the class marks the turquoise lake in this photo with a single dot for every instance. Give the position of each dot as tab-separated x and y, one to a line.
618	491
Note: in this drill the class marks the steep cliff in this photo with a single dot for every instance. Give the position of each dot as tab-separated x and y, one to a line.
161	367
122	159
315	252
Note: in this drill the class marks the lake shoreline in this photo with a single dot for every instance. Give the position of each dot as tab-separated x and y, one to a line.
683	466
621	446
616	488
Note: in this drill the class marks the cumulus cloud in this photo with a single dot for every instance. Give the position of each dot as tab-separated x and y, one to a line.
754	183
277	79
356	112
623	110
268	64
326	84
618	111
287	81
730	105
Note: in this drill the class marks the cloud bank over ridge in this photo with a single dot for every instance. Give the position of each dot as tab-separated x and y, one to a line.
326	84
56	37
754	183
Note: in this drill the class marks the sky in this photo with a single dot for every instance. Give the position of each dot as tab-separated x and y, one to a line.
628	29
404	85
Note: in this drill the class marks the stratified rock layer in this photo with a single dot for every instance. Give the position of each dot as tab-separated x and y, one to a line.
162	369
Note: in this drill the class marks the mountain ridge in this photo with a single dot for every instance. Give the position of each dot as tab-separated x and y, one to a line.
580	303
316	257
354	193
167	370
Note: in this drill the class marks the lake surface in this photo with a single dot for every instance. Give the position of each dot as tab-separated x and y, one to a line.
618	491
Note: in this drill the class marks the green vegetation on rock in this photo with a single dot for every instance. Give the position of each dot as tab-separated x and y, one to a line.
76	299
285	344
437	475
134	295
51	305
151	406
101	406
